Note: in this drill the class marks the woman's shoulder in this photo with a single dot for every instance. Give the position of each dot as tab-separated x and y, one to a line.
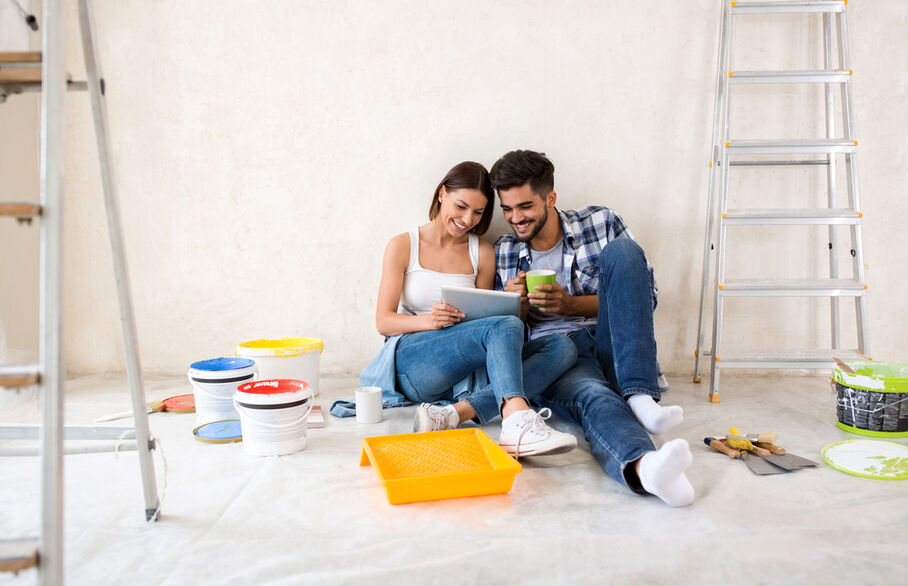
399	247
485	247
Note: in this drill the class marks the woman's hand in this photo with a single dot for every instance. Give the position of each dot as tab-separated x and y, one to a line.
443	315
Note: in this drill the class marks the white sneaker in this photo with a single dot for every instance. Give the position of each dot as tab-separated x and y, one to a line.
434	418
525	433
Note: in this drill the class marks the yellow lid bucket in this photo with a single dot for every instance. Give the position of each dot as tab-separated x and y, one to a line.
285	358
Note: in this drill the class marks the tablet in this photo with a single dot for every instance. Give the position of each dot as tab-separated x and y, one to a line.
480	303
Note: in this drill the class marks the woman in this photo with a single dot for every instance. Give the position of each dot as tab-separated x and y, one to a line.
429	350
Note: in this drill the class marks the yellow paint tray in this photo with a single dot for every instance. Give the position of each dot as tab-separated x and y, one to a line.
439	465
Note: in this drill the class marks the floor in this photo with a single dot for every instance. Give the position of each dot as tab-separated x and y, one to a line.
317	517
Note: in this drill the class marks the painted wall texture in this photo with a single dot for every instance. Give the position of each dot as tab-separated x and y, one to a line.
265	153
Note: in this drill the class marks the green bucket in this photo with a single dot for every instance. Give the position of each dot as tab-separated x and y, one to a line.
874	400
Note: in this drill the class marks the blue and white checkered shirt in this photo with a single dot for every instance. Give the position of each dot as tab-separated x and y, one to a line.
586	232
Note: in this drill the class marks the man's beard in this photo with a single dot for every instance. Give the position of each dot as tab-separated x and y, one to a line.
540	224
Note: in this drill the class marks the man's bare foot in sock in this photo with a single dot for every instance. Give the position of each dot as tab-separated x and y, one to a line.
654	418
662	473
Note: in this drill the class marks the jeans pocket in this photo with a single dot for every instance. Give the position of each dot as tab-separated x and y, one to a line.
407	388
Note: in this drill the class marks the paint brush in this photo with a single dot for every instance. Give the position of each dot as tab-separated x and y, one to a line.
843	366
176	404
766	438
744	444
721	447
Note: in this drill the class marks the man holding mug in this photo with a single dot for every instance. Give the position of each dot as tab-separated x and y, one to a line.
603	297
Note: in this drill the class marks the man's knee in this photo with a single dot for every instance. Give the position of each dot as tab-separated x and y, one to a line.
620	252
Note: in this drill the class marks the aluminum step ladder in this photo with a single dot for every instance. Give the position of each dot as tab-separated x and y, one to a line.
44	71
726	153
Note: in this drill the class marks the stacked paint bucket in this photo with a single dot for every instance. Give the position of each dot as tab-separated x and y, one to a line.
285	358
274	415
214	382
872	399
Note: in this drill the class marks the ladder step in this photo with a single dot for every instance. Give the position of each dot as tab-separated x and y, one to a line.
822	358
19	375
768	163
18	554
20	75
791	216
18	57
813	76
792	288
20	210
792	146
788	7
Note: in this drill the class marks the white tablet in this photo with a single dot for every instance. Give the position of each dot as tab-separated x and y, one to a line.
480	303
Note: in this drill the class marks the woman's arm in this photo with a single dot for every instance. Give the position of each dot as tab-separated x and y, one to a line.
387	320
485	276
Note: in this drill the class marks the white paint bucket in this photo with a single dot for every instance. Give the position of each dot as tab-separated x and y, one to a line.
213	383
285	358
274	415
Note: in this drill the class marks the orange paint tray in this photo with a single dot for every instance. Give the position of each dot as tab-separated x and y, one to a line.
439	465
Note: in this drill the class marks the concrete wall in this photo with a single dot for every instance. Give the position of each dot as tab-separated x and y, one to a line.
265	152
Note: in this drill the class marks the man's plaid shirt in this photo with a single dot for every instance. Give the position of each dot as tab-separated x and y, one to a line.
586	232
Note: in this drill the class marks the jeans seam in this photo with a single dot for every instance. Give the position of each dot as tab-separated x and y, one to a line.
657	395
591	431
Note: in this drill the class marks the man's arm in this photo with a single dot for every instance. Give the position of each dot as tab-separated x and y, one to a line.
554	299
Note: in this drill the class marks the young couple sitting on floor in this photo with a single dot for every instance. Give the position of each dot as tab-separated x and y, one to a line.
590	356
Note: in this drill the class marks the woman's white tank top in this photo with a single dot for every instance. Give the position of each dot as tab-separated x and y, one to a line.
422	287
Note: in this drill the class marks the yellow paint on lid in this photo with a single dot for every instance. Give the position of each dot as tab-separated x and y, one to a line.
280	347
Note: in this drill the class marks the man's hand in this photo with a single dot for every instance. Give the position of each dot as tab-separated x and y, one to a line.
519	285
552	299
442	315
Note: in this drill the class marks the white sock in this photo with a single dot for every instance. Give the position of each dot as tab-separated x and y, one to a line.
453	416
662	473
652	417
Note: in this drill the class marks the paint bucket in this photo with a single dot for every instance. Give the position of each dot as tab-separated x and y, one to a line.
213	383
874	400
285	358
274	416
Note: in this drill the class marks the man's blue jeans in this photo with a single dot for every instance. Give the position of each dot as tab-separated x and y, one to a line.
614	362
428	364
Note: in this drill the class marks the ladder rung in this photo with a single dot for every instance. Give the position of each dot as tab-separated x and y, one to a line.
18	554
814	76
822	358
17	75
19	375
791	146
20	210
15	57
819	216
768	163
787	7
792	288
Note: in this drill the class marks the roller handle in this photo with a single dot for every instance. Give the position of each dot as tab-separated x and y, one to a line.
720	446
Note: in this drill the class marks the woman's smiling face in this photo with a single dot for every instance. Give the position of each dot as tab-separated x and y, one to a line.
461	209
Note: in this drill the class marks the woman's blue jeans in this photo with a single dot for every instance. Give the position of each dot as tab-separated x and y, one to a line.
428	364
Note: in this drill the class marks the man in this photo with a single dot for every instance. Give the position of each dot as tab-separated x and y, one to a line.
603	299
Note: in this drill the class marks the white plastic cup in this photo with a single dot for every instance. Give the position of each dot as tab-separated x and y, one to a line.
368	405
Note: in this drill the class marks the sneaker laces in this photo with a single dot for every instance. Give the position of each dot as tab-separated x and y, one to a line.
438	416
535	424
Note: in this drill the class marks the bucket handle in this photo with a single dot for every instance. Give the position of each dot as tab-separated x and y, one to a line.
310	400
197	387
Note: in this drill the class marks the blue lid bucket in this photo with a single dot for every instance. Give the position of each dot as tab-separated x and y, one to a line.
213	383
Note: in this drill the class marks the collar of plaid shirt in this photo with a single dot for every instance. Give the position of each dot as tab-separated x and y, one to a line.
585	233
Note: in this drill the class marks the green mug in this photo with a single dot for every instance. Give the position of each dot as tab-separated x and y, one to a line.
539	277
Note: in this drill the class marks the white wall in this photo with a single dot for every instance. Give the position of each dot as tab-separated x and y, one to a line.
265	152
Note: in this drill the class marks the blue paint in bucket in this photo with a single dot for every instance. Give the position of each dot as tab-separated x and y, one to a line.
222	364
